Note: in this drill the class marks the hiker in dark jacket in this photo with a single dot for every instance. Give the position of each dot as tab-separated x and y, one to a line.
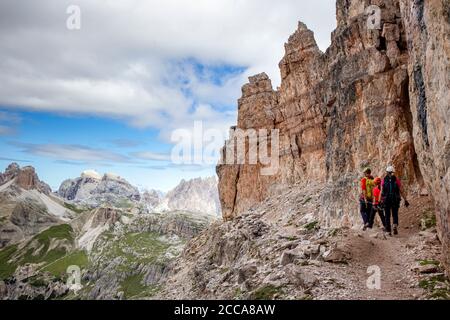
391	194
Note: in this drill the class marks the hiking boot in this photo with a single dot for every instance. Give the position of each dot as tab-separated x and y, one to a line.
365	227
395	229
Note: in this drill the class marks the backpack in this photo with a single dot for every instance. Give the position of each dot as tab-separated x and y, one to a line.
391	191
370	185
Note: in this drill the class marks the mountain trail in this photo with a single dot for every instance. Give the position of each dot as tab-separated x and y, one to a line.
395	258
279	250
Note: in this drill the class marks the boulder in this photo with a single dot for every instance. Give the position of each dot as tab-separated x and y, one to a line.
300	276
290	256
337	255
247	272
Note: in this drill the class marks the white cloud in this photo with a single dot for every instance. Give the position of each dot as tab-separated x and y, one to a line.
148	155
70	152
128	61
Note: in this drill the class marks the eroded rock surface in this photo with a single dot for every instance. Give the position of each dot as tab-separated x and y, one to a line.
375	97
427	29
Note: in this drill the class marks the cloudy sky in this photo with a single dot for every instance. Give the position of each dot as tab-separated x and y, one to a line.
108	96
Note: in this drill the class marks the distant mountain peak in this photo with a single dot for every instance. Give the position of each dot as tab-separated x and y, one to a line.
196	195
93	189
25	178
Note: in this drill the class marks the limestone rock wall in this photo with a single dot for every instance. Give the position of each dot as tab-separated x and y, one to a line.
375	97
427	28
336	111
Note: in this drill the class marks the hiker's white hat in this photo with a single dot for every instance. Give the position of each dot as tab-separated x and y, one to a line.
390	169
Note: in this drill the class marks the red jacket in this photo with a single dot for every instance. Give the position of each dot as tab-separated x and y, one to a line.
376	195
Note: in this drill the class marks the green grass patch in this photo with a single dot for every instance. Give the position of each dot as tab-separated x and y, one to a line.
59	267
37	282
224	270
7	268
438	287
238	293
429	262
134	249
146	246
132	286
148	292
440	294
430	283
62	231
312	226
36	250
46	256
266	293
73	208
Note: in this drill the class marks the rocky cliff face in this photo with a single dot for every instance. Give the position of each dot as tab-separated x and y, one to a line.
375	97
427	28
94	190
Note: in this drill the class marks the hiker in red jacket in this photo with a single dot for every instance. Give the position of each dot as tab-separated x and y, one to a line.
377	205
391	194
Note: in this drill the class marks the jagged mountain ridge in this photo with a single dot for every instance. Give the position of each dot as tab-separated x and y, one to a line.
93	190
123	252
196	195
